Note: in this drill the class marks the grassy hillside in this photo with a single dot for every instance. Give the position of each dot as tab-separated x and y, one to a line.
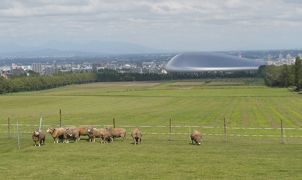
252	111
155	158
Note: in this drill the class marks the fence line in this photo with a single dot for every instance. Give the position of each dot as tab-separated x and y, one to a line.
169	132
204	134
159	126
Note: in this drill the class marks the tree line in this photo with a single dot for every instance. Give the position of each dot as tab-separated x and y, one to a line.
107	75
284	75
36	82
33	83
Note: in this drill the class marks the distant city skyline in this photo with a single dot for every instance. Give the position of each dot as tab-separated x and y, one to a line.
154	25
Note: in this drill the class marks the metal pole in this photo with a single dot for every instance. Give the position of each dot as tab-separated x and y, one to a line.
60	118
170	129
8	127
18	135
225	130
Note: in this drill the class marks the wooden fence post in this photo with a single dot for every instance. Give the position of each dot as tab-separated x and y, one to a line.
113	122
225	130
18	135
8	127
282	133
60	113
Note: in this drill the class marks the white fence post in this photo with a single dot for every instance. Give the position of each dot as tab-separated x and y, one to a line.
41	119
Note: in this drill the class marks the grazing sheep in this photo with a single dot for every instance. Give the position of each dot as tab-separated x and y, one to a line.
57	133
136	136
105	136
83	131
38	138
117	132
196	137
93	133
72	134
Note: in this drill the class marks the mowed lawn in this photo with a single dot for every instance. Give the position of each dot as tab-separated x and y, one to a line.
247	108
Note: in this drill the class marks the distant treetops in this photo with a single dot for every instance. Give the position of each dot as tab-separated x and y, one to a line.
283	76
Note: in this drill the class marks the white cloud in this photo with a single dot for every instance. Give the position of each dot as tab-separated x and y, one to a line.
174	11
133	20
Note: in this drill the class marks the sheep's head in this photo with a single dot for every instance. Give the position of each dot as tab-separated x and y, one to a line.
36	133
50	130
90	130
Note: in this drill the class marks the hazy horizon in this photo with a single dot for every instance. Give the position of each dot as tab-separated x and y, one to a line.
157	25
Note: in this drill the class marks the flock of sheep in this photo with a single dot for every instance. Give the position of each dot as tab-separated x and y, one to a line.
105	135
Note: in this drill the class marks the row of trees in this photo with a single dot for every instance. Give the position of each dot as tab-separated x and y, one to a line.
283	76
37	82
33	83
111	75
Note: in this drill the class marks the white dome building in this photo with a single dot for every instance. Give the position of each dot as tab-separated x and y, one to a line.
209	62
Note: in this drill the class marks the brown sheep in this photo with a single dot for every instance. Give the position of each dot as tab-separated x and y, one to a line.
83	131
73	134
38	138
105	136
57	133
196	137
117	132
136	136
93	133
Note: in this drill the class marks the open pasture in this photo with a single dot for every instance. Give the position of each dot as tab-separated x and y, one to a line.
252	112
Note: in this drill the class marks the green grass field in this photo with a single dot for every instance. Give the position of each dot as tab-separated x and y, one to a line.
252	111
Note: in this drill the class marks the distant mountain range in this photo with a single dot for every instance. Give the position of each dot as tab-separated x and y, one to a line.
92	48
101	48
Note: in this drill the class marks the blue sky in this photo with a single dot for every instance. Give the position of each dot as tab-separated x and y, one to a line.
184	25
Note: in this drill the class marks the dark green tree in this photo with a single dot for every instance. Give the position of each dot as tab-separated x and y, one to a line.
298	73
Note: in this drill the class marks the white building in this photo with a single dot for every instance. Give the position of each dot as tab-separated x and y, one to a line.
37	68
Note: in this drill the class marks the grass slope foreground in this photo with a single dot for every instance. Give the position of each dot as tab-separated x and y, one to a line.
250	149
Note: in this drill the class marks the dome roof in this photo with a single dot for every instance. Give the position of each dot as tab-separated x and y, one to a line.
199	62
